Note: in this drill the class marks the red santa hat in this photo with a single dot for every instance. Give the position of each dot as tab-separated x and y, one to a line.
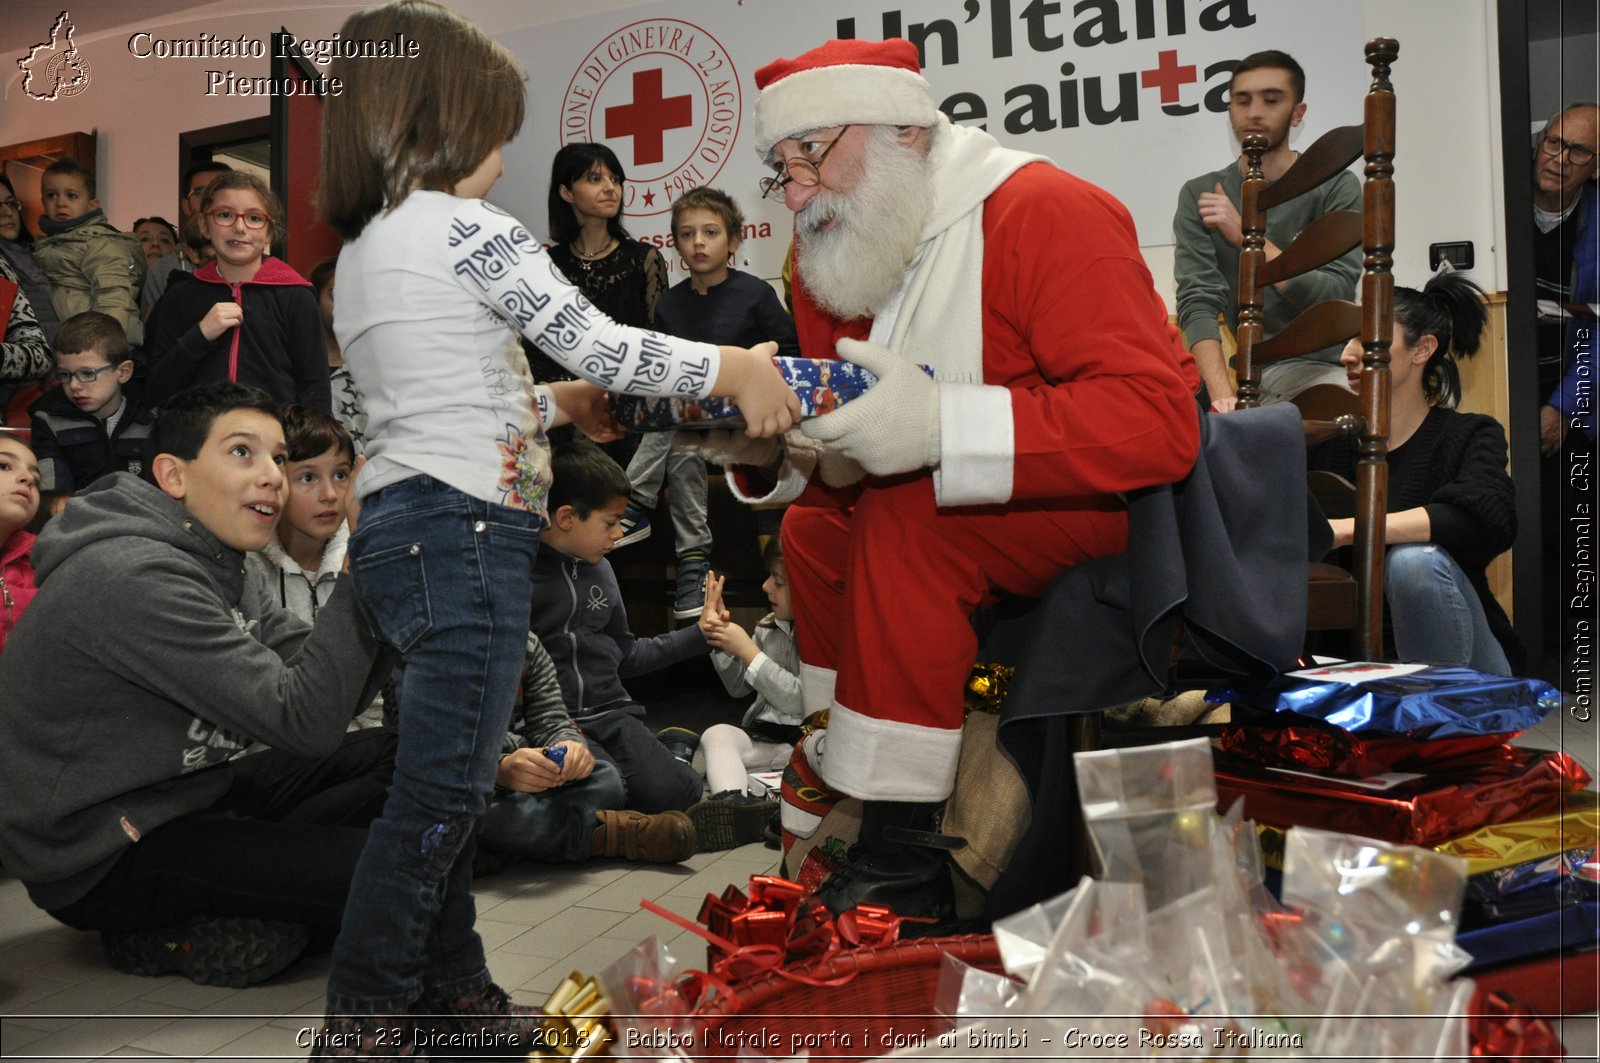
842	83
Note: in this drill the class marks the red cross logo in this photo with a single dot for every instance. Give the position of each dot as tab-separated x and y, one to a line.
649	116
1168	75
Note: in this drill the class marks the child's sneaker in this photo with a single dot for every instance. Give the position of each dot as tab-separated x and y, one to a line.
690	599
635	524
232	952
680	742
729	819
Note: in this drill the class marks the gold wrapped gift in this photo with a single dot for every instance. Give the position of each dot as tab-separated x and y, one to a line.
575	1021
1576	826
987	686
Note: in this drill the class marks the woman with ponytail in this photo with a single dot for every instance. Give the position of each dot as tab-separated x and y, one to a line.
1451	507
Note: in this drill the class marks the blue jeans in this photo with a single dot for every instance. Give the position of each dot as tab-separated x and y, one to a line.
555	826
655	780
446	579
1436	614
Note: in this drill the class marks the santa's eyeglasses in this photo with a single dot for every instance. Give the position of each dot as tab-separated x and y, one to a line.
799	169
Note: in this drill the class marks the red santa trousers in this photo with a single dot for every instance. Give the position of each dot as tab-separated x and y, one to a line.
883	595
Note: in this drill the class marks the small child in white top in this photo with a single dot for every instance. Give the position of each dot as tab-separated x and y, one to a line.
434	286
768	662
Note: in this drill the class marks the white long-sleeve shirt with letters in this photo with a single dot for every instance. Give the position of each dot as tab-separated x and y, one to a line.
430	298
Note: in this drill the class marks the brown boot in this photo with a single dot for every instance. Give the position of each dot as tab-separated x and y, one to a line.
664	838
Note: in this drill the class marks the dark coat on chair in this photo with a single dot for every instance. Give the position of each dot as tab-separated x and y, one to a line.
1225	550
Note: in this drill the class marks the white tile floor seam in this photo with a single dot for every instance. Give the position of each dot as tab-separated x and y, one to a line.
59	1001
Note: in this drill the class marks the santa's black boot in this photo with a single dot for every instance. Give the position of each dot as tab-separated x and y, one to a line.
900	862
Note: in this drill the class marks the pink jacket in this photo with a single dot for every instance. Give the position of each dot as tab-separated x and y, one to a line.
16	581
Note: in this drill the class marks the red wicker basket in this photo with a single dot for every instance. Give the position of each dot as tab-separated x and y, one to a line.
887	1005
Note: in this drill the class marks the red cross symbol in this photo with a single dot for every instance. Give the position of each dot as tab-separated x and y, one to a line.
649	116
1168	75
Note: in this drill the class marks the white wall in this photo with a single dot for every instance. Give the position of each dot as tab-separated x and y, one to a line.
1447	164
140	106
1447	169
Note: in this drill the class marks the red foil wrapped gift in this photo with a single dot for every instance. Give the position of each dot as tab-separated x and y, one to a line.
1332	751
1423	811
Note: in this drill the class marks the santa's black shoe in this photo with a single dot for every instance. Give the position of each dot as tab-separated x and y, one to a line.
901	863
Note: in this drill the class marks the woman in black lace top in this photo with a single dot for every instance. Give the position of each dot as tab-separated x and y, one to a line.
620	275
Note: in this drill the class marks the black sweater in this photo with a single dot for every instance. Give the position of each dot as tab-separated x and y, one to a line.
280	347
1455	467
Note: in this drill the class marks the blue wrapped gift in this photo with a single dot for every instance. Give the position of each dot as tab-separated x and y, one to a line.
822	385
1421	701
1575	927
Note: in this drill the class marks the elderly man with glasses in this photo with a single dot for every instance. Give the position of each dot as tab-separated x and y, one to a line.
1566	244
1057	383
1566	247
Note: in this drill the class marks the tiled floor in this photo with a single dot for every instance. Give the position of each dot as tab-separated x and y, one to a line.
59	1001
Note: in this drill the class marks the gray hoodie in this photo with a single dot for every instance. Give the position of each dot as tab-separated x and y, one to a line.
152	654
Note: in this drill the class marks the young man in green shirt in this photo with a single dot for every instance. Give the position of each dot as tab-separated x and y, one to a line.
1266	97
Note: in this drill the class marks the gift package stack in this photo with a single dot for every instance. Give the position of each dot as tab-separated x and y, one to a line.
1421	755
1177	950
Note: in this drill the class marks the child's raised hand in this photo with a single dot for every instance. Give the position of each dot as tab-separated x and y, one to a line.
766	400
713	615
220	318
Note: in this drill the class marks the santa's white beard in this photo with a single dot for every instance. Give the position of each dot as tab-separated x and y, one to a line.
854	265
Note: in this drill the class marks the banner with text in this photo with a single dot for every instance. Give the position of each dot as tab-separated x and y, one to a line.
1129	94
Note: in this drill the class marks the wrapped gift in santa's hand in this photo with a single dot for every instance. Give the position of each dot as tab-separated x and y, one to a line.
822	384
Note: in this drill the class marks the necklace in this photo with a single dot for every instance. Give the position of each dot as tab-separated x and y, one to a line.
590	256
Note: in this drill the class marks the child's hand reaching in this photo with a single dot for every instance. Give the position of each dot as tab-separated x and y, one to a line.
768	403
588	407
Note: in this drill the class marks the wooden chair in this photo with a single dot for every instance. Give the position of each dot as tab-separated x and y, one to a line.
1337	599
1327	412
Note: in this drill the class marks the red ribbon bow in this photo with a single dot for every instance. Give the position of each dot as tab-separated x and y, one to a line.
1504	1029
776	924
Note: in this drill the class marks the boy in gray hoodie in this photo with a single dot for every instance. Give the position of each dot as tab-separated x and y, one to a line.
151	655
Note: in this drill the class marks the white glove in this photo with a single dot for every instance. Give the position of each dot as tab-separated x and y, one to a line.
808	455
894	427
728	446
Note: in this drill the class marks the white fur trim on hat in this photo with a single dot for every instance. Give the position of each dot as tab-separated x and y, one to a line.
845	94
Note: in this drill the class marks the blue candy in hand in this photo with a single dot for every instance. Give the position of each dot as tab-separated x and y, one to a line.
557	754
